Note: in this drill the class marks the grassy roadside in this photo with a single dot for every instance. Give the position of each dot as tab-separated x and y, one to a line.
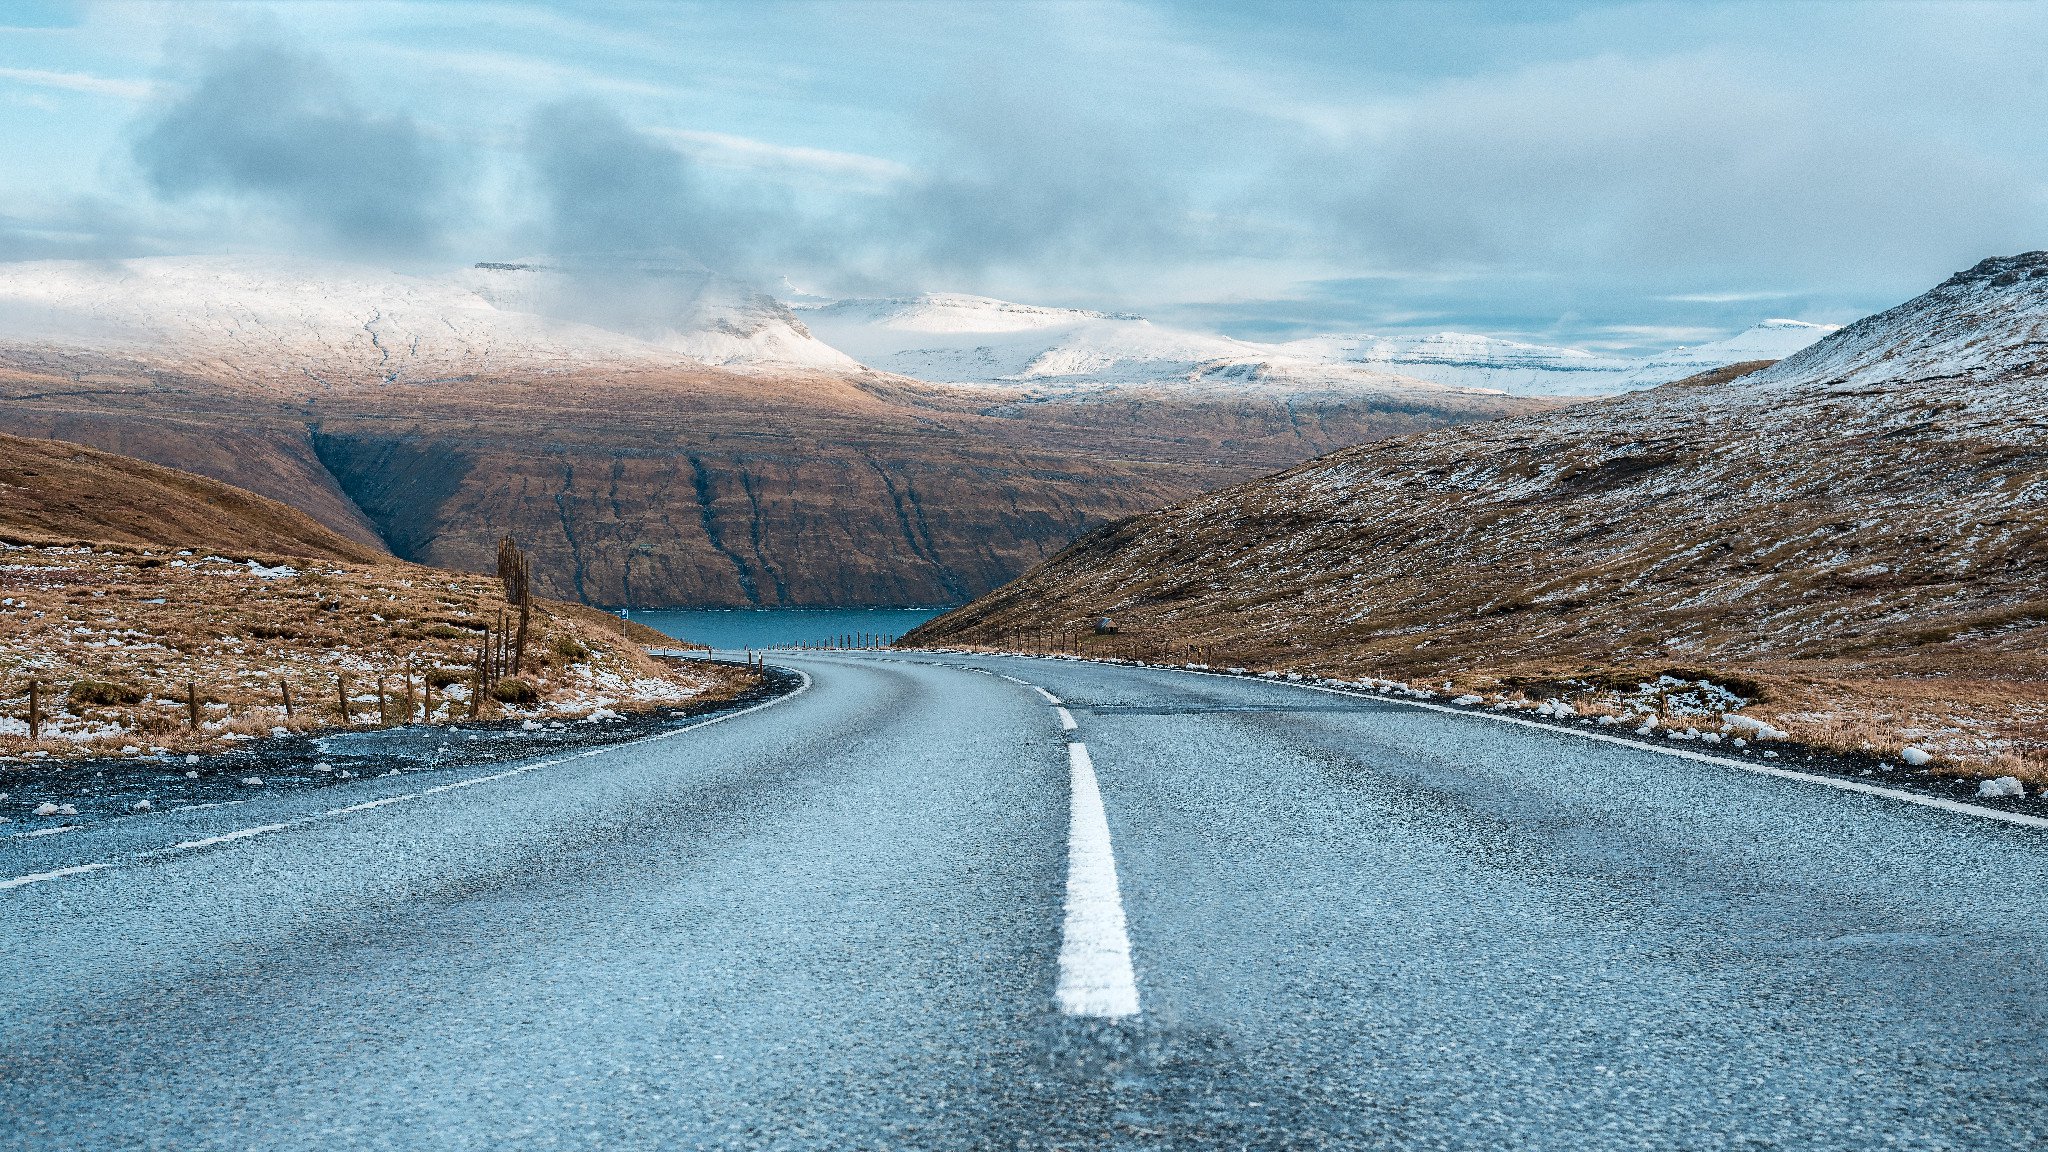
140	651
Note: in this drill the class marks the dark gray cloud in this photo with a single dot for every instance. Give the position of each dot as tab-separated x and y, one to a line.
612	193
640	238
277	126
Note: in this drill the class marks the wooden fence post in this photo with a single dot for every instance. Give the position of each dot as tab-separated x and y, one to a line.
286	689
192	704
341	697
35	710
383	706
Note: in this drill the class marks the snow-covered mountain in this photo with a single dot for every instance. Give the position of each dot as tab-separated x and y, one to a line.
264	316
267	317
958	339
961	339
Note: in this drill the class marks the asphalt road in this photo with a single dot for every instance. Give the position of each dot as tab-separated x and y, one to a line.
852	919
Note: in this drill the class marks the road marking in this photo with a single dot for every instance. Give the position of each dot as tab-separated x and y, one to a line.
366	805
46	832
1944	804
36	877
1049	697
1940	803
1095	951
226	837
1900	794
245	833
1066	720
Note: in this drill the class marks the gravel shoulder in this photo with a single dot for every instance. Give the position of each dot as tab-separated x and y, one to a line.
102	788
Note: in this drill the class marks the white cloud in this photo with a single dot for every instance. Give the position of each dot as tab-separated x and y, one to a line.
78	82
725	150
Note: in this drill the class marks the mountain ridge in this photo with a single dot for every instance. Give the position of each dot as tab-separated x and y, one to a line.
1858	530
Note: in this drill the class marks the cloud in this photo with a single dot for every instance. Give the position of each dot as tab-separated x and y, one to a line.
611	192
275	126
641	238
1680	170
77	82
725	150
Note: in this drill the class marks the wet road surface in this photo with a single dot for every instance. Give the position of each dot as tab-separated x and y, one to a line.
876	914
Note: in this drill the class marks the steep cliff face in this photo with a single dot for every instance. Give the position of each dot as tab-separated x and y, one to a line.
693	485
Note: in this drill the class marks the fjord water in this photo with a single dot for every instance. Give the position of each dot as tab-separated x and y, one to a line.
775	627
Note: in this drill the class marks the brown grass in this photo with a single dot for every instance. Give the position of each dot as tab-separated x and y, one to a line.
1870	569
115	634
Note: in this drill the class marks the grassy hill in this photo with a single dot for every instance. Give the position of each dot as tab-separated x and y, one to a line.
154	610
1855	538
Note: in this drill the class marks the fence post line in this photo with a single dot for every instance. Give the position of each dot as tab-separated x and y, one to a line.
341	697
35	709
286	689
192	704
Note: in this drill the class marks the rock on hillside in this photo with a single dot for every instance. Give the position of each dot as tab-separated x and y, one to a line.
1859	529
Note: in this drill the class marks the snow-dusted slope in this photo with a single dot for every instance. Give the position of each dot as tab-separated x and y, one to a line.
1983	326
1856	529
343	322
976	340
1769	340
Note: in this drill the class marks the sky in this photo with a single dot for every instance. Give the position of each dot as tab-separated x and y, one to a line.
1619	176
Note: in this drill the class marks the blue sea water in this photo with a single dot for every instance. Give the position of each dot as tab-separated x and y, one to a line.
774	627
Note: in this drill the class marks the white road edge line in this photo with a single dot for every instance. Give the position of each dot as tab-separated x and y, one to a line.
1049	697
40	832
1095	951
1945	805
245	833
34	877
1066	719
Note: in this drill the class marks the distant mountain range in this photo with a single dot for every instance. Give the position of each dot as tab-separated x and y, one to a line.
267	318
655	435
976	340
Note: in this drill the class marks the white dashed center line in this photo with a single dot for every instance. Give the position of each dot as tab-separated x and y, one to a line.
1095	950
1095	946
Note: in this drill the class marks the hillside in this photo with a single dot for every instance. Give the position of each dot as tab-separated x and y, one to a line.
1855	533
429	417
59	493
127	589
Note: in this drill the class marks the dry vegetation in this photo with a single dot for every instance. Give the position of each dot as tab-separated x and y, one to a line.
1856	539
135	647
121	640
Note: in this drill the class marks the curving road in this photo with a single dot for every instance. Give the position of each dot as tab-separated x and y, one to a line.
901	910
